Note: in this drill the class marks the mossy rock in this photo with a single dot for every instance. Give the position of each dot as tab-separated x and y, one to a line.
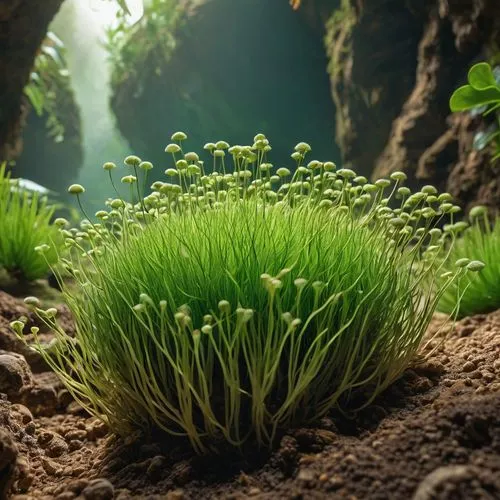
224	68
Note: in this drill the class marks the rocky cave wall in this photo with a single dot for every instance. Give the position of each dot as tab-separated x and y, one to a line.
393	67
23	26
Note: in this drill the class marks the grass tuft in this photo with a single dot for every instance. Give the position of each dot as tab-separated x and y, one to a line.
233	301
25	225
478	292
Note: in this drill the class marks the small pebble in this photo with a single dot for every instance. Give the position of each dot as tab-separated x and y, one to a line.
76	434
75	444
155	468
469	366
306	475
98	489
174	495
56	447
50	467
336	482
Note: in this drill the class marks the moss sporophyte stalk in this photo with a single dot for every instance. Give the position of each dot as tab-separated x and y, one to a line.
241	298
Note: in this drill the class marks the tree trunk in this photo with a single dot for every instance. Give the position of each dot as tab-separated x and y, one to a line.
23	26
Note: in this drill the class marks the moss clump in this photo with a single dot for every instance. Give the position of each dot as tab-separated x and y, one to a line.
230	305
25	228
478	293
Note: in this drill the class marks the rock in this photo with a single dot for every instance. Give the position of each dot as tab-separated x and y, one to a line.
156	467
469	366
66	495
306	475
25	475
75	444
64	398
41	400
15	374
430	367
8	459
98	489
336	482
56	447
175	495
450	473
22	414
44	438
97	430
51	467
79	434
77	486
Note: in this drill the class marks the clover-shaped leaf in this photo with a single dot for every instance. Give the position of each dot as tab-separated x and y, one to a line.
481	76
467	97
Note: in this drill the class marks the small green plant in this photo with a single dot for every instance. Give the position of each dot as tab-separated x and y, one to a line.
479	293
237	300
481	94
25	224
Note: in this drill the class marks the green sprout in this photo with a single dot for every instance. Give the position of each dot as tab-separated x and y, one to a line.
25	229
481	242
241	299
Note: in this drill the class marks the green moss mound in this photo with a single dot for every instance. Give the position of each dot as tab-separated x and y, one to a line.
240	298
25	225
478	293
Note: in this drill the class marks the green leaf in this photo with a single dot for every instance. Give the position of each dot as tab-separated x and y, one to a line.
481	76
35	77
124	6
468	97
36	98
55	40
53	54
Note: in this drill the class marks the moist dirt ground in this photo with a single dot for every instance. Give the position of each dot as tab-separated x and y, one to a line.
434	434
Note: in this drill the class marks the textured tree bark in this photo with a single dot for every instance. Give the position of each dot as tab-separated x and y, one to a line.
393	67
23	26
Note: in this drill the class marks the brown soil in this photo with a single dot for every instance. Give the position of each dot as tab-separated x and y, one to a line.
435	434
